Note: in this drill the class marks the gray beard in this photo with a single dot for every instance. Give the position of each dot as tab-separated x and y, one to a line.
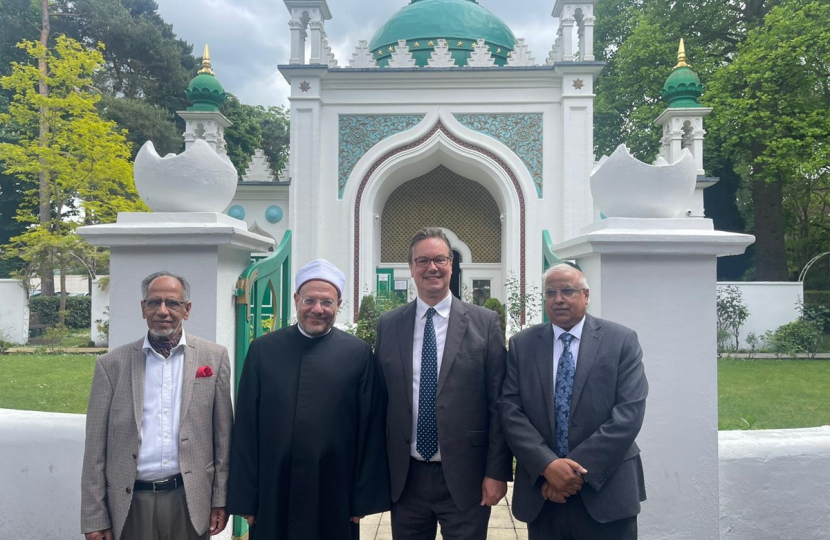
166	334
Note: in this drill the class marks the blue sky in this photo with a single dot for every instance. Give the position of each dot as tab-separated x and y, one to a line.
249	38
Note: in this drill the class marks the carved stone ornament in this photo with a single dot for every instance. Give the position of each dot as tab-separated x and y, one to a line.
623	186
197	180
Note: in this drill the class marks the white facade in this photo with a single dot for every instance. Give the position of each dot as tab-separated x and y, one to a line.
14	311
524	132
100	311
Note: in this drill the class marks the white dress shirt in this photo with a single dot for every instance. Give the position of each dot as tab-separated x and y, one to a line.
440	321
559	345
158	452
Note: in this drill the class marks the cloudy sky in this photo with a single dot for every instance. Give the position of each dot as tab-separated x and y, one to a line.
249	38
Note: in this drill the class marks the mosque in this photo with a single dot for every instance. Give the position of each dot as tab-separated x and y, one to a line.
445	119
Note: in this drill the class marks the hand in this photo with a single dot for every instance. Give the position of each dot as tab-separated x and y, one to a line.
250	519
356	519
550	494
564	475
492	491
218	520
106	534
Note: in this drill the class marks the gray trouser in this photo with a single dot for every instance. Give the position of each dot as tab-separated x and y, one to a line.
160	516
426	502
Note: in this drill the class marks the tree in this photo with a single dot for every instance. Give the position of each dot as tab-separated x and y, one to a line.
143	122
83	157
143	58
771	105
715	33
255	126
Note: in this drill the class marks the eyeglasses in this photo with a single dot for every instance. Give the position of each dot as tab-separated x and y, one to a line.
566	293
423	262
311	302
174	305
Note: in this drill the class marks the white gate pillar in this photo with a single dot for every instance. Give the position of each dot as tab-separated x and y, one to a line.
658	276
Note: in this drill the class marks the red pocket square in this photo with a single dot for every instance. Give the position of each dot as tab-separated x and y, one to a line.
204	371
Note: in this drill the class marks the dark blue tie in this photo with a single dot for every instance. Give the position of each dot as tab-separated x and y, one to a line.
427	444
562	394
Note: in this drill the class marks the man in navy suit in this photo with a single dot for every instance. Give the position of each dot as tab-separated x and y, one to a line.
572	404
443	362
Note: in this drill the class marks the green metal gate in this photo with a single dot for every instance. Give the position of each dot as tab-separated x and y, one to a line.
270	276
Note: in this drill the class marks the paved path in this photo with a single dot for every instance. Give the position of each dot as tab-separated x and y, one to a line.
503	526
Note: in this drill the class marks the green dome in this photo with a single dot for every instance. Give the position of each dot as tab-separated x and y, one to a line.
461	22
682	88
205	93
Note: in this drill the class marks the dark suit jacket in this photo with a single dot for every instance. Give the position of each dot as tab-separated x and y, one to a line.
607	410
113	433
472	371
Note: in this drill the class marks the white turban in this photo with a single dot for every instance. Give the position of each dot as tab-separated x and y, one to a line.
323	270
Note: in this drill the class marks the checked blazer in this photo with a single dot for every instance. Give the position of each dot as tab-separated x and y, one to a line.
607	410
113	430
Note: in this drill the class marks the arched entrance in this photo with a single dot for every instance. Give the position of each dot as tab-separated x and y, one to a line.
463	208
393	164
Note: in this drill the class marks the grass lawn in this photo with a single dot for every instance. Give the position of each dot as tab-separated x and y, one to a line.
46	382
776	393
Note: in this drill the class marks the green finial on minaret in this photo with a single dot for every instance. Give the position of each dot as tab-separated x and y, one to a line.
205	92
683	87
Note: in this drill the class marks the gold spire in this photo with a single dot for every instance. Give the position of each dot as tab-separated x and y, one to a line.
681	56
206	62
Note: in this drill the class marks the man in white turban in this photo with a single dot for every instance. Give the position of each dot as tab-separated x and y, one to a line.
308	457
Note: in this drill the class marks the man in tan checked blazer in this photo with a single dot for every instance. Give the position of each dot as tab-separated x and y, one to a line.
158	429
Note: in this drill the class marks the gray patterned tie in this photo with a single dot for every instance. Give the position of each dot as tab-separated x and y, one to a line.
562	395
427	444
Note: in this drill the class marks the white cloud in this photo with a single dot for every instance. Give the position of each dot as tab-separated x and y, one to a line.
249	38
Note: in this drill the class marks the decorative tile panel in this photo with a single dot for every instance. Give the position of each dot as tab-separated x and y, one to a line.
522	133
441	198
358	133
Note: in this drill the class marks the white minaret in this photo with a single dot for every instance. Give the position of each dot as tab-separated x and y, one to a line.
307	22
682	123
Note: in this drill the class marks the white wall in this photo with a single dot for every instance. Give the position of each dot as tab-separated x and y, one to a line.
40	464
773	484
41	456
14	311
100	311
770	303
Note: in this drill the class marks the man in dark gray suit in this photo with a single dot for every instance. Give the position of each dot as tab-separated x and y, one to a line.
443	362
572	404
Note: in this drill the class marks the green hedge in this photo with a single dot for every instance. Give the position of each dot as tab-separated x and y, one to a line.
812	298
78	310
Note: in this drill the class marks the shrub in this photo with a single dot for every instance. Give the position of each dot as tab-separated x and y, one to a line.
818	314
5	344
367	320
78	310
799	336
755	342
817	297
493	304
732	313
